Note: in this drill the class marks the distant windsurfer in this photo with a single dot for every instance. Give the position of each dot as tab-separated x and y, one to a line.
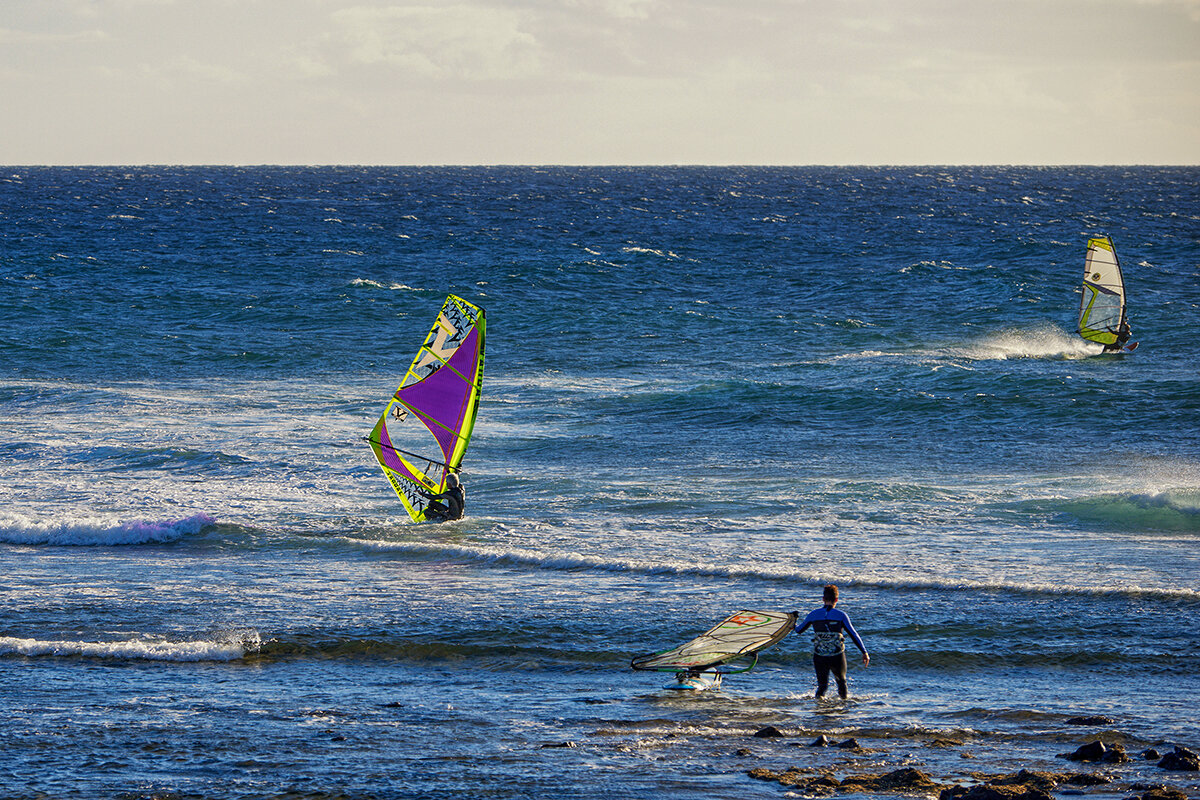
447	505
829	646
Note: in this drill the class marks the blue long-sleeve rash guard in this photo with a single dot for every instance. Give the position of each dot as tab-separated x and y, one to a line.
831	621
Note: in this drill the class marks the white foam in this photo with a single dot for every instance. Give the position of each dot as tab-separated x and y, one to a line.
97	531
574	561
1036	341
370	284
227	647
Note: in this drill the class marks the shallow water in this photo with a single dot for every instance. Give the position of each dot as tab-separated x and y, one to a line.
705	390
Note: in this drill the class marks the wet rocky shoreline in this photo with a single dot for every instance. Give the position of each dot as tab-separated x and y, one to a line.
1105	769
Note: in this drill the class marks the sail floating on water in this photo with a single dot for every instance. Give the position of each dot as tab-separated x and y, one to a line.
1102	307
438	397
735	637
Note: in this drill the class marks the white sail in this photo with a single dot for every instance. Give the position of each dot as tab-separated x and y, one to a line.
1102	307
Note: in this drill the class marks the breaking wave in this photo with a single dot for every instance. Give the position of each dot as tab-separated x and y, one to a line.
97	532
1172	510
224	647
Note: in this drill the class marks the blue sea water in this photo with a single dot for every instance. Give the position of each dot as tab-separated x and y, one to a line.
706	389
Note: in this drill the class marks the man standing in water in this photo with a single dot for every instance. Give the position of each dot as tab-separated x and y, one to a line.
829	645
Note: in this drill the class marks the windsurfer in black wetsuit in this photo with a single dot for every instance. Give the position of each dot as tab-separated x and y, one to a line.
449	504
1123	333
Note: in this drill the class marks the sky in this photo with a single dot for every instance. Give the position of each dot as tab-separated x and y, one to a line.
772	82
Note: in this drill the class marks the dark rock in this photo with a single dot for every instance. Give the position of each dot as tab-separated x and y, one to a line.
744	751
1046	781
1092	751
1087	779
558	744
1115	754
1162	793
1151	754
792	777
849	744
1094	719
1180	760
769	732
820	741
994	792
906	778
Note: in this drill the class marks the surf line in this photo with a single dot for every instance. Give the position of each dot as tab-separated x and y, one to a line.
572	562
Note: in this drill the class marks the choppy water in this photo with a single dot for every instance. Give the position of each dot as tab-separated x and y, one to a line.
706	389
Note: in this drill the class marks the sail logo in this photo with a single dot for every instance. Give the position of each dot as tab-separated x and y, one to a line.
443	341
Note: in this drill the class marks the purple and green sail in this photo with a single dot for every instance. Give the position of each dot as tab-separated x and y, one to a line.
424	431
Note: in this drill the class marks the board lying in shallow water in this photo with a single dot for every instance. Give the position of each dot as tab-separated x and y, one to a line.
713	653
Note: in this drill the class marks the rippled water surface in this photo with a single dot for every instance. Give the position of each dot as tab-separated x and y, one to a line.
706	389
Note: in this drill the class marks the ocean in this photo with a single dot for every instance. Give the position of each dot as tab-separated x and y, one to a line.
706	389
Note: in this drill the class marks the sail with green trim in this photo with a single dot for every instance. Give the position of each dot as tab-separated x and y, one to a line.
424	431
1102	307
734	638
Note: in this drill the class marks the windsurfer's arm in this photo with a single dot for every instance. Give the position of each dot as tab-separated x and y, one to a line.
857	640
807	621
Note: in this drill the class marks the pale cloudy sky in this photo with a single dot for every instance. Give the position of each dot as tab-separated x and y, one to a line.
600	82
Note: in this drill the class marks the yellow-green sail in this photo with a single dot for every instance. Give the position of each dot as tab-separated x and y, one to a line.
438	397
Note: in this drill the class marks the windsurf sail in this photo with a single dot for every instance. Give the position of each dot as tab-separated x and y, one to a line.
1102	307
736	637
438	397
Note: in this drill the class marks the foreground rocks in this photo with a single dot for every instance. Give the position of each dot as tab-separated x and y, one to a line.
1022	785
904	780
1100	753
1180	760
1158	793
989	791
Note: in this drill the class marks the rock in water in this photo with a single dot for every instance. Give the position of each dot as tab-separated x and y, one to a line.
769	732
1092	751
1180	760
1161	793
820	741
990	792
1115	754
1094	719
906	778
